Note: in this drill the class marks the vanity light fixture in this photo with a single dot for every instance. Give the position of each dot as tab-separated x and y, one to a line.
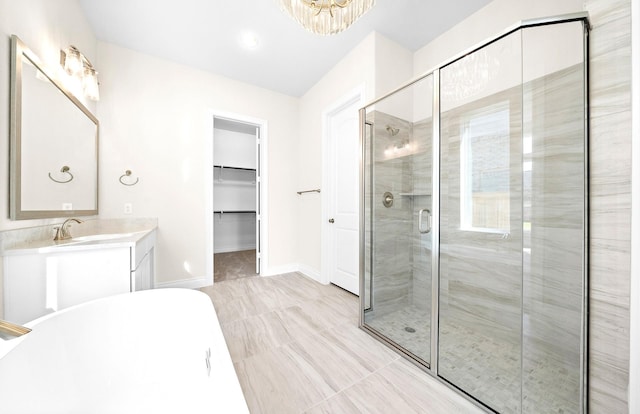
399	149
77	66
326	17
392	130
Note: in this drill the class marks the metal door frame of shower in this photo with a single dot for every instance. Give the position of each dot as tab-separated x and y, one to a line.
431	367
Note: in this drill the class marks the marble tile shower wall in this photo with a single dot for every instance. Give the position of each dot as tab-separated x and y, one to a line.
480	272
609	203
553	269
392	225
483	279
402	255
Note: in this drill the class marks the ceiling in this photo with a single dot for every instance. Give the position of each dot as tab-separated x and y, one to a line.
206	34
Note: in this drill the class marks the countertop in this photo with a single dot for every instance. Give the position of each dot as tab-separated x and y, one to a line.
94	234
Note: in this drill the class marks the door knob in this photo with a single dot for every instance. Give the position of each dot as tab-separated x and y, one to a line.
331	221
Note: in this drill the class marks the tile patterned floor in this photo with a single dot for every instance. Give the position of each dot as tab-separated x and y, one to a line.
477	363
297	348
393	325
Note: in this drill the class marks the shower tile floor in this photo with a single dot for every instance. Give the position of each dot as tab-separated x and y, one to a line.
416	339
469	345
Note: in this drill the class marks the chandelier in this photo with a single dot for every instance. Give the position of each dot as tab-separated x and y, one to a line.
326	17
469	76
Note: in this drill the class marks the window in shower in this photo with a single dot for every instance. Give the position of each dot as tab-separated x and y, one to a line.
484	170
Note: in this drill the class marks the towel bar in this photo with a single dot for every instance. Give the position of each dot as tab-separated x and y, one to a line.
308	191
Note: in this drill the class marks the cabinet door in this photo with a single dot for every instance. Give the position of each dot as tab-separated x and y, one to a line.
143	263
142	276
25	289
91	274
39	284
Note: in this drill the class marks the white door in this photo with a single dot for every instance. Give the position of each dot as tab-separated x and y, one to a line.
342	192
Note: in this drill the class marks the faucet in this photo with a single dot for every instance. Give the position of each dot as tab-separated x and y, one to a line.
62	232
11	329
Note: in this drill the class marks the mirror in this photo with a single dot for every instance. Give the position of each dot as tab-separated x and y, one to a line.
54	144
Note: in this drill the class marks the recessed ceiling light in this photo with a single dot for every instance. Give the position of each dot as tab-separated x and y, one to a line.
249	41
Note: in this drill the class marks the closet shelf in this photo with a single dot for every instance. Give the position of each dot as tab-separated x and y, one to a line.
234	168
235	182
233	211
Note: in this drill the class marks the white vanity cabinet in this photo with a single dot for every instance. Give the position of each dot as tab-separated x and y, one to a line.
41	281
143	263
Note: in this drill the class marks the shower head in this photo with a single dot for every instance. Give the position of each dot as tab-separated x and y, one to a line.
392	131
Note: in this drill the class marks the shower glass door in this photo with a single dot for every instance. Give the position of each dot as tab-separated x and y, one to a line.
398	164
512	228
480	333
554	218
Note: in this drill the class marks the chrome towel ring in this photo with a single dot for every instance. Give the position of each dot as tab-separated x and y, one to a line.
128	174
64	170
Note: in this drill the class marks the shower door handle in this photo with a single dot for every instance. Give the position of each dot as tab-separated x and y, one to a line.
421	228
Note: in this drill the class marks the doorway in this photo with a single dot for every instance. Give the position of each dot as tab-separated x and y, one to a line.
238	189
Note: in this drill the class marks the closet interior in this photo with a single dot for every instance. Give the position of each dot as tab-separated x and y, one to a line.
236	188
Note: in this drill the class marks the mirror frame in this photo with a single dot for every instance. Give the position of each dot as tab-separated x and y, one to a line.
18	51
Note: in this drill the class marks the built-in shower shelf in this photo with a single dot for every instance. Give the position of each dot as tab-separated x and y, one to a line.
414	194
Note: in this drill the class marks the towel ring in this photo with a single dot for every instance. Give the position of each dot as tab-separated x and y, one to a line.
128	174
64	170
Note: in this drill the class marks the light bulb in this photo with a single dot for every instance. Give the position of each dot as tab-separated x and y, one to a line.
73	61
90	86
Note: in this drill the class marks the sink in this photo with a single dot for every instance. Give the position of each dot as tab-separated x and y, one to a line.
100	237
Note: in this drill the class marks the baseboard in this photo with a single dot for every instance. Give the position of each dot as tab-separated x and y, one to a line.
279	270
308	271
184	284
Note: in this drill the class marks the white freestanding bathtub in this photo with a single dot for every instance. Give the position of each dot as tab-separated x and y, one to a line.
156	351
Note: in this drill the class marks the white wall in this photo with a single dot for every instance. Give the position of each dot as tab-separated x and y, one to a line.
45	27
356	69
393	66
154	120
378	65
489	21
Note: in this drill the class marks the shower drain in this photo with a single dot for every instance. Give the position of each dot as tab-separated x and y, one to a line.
409	329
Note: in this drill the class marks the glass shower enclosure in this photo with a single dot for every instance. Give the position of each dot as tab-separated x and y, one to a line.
474	219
